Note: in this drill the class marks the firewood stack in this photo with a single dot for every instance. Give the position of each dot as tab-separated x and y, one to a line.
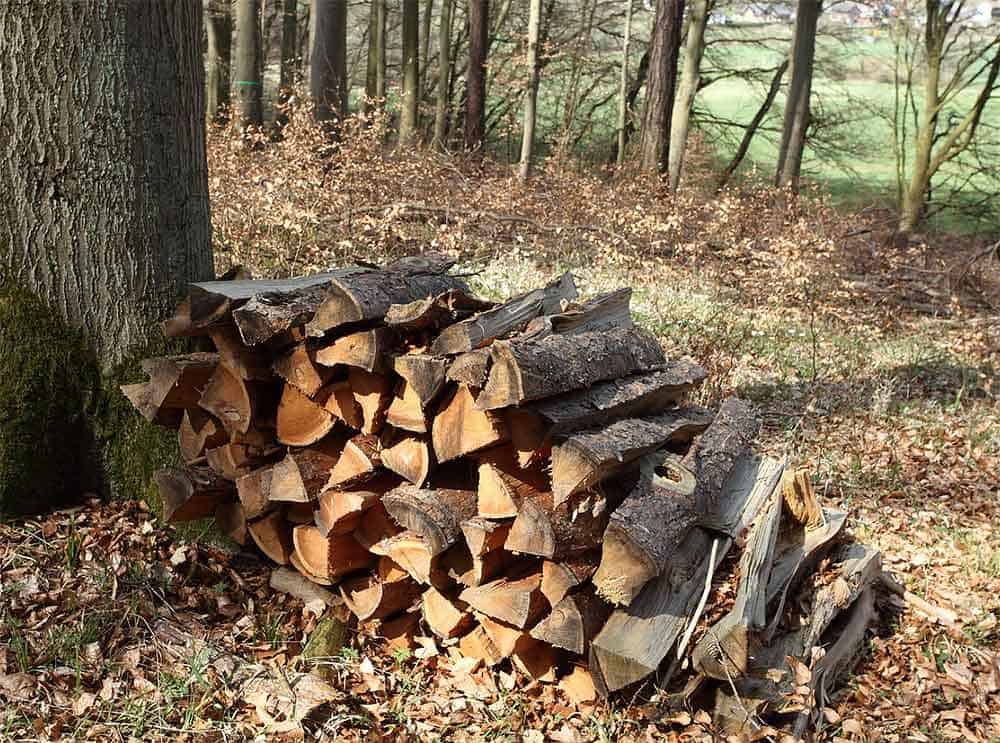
524	480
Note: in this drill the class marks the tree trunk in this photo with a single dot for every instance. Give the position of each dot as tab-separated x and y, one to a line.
380	51
623	92
444	72
425	45
219	31
411	72
664	49
531	94
100	241
372	59
475	75
289	34
684	101
248	65
793	135
328	61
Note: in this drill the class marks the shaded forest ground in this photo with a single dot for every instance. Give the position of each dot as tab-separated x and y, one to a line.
876	367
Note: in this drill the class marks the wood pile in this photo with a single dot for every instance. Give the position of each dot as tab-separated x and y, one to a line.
523	480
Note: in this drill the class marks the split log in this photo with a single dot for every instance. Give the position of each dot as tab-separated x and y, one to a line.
635	640
434	312
254	490
578	686
535	659
232	461
248	363
231	521
199	431
210	301
296	563
603	312
573	622
369	598
358	461
726	648
340	511
409	550
299	586
231	399
800	499
585	458
299	368
329	557
367	295
436	515
400	630
446	616
299	513
531	368
517	601
561	578
372	393
406	410
301	475
478	644
366	349
644	532
301	421
504	637
376	528
338	400
504	483
723	443
484	568
460	428
175	383
558	531
471	368
411	458
273	535
483	535
509	317
529	437
190	493
424	375
633	396
179	324
388	571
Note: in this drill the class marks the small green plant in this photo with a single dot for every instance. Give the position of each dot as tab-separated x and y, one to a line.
74	542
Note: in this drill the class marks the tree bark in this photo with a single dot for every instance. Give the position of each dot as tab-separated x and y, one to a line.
372	59
328	61
219	31
793	135
665	47
444	71
684	101
101	239
475	75
623	85
248	64
411	72
425	45
289	35
380	51
531	94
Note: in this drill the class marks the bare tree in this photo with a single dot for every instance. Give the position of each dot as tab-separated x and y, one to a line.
531	91
664	50
475	74
797	116
444	73
218	33
328	61
104	222
623	86
411	71
680	120
248	64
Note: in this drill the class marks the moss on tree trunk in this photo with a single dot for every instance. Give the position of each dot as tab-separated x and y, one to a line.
66	428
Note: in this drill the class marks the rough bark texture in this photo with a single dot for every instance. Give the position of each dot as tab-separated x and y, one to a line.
328	60
248	64
475	75
680	119
441	110
219	33
720	447
793	135
664	49
411	72
436	515
98	240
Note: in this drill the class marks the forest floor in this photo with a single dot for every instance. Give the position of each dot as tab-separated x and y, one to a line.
876	367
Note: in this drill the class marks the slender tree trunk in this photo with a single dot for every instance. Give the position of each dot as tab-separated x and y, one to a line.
371	60
248	68
475	75
219	32
328	61
103	222
680	120
623	86
425	46
411	72
380	52
444	72
531	93
289	45
912	206
793	134
664	49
